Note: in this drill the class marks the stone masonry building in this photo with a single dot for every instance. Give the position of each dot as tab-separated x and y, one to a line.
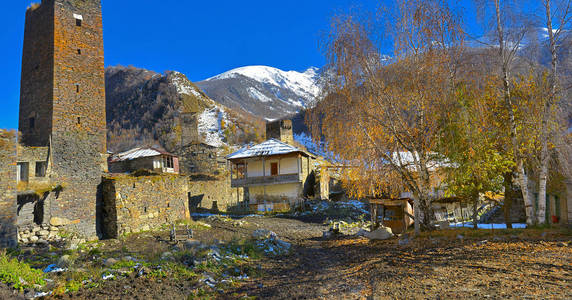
62	104
8	229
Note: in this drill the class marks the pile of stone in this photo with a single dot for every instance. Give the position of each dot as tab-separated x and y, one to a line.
227	220
269	242
38	234
347	228
381	233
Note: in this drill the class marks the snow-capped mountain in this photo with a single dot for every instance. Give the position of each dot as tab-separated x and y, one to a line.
266	92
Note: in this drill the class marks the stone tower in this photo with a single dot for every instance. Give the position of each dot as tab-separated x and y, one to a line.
280	130
62	102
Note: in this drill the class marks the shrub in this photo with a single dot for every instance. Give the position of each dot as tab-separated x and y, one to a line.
19	274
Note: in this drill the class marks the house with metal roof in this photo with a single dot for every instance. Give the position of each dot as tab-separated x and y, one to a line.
274	174
149	158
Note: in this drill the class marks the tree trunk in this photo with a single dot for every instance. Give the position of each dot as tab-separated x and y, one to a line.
528	205
522	178
544	156
541	213
507	199
428	215
475	199
417	214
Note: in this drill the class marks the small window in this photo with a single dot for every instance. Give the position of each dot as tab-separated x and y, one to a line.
78	120
23	171
79	51
78	19
168	162
77	88
32	123
41	167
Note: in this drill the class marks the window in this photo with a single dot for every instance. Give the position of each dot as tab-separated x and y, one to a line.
79	51
168	162
32	123
240	170
78	120
78	19
77	88
41	167
23	168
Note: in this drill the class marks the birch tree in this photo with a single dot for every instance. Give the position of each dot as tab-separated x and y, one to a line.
383	116
557	18
508	33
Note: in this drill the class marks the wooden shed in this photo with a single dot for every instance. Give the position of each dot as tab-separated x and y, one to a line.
396	214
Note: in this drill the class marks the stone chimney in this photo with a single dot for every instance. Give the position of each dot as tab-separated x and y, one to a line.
280	130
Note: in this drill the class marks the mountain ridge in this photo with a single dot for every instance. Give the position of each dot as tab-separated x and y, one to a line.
267	92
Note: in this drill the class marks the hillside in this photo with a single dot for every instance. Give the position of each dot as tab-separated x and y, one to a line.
266	92
144	108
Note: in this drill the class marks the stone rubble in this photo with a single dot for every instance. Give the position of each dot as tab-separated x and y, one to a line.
38	234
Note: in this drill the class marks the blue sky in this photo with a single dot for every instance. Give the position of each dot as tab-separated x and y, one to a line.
199	38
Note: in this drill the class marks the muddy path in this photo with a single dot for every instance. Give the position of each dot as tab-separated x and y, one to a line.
459	263
503	266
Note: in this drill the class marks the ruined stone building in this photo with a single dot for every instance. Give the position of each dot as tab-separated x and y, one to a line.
62	107
280	130
8	221
196	157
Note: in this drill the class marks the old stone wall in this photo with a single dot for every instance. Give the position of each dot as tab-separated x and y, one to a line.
280	130
36	160
215	194
199	158
132	204
37	82
8	228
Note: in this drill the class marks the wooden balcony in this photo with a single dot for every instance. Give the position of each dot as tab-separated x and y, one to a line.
265	180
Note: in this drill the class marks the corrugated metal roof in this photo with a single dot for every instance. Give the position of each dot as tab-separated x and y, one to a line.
138	153
270	147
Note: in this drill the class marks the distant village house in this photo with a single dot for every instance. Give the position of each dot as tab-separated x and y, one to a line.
151	159
276	175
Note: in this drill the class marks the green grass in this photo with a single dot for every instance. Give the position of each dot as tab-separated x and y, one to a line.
19	274
123	264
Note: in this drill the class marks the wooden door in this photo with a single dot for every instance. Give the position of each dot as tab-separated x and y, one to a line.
274	169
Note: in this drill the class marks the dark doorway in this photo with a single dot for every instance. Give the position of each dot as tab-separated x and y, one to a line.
195	201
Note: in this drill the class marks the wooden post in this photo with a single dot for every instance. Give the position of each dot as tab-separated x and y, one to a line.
263	178
372	215
403	208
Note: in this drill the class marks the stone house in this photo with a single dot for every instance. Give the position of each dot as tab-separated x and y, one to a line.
277	175
200	158
33	165
150	158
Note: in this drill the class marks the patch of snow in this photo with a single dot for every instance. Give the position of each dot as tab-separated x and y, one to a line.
306	141
269	147
210	126
183	86
41	294
256	94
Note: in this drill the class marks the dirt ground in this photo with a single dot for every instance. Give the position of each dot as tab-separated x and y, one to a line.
459	263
